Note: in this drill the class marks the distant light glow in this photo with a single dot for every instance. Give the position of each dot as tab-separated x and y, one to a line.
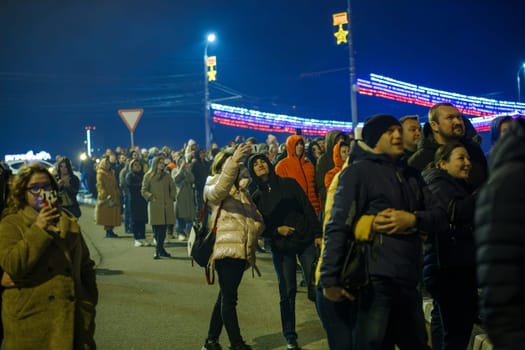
30	155
211	37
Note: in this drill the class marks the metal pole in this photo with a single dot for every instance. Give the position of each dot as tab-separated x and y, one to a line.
353	82
207	131
132	143
519	84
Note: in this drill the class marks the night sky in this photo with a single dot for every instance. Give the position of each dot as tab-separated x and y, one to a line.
68	64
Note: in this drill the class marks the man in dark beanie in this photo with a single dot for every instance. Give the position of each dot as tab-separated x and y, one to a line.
378	200
376	126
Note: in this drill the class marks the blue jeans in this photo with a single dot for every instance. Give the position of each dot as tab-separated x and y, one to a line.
285	264
390	313
229	275
183	226
338	321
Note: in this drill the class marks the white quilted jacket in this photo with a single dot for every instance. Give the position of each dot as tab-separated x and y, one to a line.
239	223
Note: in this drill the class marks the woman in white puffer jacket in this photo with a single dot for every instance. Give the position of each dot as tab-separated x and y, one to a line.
238	227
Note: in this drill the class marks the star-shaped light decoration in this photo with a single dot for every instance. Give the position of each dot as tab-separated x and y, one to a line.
212	74
341	35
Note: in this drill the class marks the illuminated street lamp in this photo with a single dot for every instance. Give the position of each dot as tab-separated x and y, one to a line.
519	81
88	129
211	38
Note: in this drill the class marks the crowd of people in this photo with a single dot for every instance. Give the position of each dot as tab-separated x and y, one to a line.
433	217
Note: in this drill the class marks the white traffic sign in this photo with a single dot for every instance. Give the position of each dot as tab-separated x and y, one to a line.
131	117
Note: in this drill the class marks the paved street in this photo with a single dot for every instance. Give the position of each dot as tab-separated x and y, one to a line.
166	304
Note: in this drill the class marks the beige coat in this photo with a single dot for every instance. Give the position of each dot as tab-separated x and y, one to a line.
52	305
239	223
107	211
160	192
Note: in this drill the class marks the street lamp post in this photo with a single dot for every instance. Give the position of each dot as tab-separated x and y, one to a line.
353	82
519	81
88	129
207	130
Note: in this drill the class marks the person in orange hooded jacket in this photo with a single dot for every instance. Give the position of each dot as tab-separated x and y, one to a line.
340	155
300	168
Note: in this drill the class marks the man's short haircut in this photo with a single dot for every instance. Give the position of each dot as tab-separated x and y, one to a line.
433	112
415	117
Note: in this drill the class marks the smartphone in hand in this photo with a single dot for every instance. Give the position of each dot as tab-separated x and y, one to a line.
50	199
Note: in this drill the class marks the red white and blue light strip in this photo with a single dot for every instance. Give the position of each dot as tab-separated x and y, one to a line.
482	109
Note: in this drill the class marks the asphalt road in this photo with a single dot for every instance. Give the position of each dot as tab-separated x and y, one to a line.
166	304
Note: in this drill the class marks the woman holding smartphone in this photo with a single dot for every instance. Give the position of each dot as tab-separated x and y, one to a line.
49	279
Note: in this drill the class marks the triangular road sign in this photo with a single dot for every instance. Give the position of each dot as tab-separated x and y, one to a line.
131	117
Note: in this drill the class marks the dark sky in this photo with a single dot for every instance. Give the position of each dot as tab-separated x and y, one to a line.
68	64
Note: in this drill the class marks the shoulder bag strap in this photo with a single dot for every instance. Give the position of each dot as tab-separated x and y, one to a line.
202	213
214	229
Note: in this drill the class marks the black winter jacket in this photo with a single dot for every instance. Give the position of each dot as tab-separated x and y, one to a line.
370	184
282	201
137	204
500	241
451	242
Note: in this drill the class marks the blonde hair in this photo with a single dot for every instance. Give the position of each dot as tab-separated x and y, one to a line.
153	170
219	160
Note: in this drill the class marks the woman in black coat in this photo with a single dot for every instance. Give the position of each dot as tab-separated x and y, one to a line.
68	186
138	207
292	227
449	268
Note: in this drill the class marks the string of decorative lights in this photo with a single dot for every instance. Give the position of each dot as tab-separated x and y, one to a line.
482	109
397	90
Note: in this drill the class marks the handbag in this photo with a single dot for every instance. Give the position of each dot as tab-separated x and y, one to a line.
354	274
202	240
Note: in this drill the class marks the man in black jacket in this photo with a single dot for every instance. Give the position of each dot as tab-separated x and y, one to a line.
377	185
500	241
292	227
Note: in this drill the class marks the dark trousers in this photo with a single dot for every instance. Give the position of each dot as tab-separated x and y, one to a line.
285	264
456	300
127	213
229	275
436	328
139	229
338	321
159	233
390	314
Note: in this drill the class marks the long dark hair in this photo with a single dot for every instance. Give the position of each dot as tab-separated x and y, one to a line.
69	167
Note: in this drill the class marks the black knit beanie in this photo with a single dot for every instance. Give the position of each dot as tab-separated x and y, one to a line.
375	126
